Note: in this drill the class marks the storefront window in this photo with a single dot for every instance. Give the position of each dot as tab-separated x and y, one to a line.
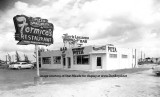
46	60
74	59
113	55
85	59
57	59
124	56
82	59
79	59
133	56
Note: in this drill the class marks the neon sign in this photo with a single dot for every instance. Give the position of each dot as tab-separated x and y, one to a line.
33	30
73	39
77	51
112	49
99	48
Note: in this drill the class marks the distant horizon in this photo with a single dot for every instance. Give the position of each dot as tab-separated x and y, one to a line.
31	58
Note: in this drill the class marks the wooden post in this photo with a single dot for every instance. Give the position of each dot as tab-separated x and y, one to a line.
37	79
37	61
135	58
6	59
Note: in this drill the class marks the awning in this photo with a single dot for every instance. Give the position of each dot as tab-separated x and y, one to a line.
97	53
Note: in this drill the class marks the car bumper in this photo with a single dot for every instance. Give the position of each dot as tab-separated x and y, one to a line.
156	71
12	67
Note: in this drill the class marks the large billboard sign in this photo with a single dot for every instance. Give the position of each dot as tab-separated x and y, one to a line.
31	30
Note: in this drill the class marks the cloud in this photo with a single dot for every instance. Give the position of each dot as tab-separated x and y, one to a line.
8	44
124	22
122	28
21	5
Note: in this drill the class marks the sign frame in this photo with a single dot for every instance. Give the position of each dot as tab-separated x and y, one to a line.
31	30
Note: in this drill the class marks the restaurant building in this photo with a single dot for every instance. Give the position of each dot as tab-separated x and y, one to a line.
104	57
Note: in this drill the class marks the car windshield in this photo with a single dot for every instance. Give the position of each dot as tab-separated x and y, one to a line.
14	63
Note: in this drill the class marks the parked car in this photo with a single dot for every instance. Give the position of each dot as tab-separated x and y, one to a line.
156	69
21	65
35	64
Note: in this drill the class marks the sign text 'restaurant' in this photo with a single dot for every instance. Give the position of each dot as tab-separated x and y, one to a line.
33	29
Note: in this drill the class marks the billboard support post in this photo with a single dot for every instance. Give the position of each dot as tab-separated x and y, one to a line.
33	30
37	80
37	60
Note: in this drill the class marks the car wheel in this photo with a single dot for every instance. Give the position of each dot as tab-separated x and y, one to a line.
32	67
19	67
158	74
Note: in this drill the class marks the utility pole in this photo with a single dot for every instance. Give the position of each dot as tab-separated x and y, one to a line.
135	58
37	60
13	57
144	55
6	59
141	56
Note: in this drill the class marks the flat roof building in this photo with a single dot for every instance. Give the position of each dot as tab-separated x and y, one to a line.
104	57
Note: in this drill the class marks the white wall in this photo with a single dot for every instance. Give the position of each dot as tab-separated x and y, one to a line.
107	62
86	51
94	61
112	63
124	62
119	62
81	67
52	65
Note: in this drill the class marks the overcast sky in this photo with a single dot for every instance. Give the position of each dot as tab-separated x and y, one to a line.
124	23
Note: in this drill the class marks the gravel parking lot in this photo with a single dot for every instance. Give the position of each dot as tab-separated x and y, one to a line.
140	82
11	78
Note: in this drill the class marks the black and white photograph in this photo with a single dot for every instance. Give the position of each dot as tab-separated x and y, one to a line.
79	48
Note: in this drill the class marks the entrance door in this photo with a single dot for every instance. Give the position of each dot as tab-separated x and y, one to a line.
69	62
99	62
64	61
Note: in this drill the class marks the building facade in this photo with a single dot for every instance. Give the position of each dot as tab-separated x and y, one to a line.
105	57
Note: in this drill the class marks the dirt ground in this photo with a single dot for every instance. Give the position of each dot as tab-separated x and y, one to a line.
139	84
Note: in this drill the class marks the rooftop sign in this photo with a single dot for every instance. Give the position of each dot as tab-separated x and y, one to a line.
74	39
31	30
112	49
82	39
77	51
99	48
